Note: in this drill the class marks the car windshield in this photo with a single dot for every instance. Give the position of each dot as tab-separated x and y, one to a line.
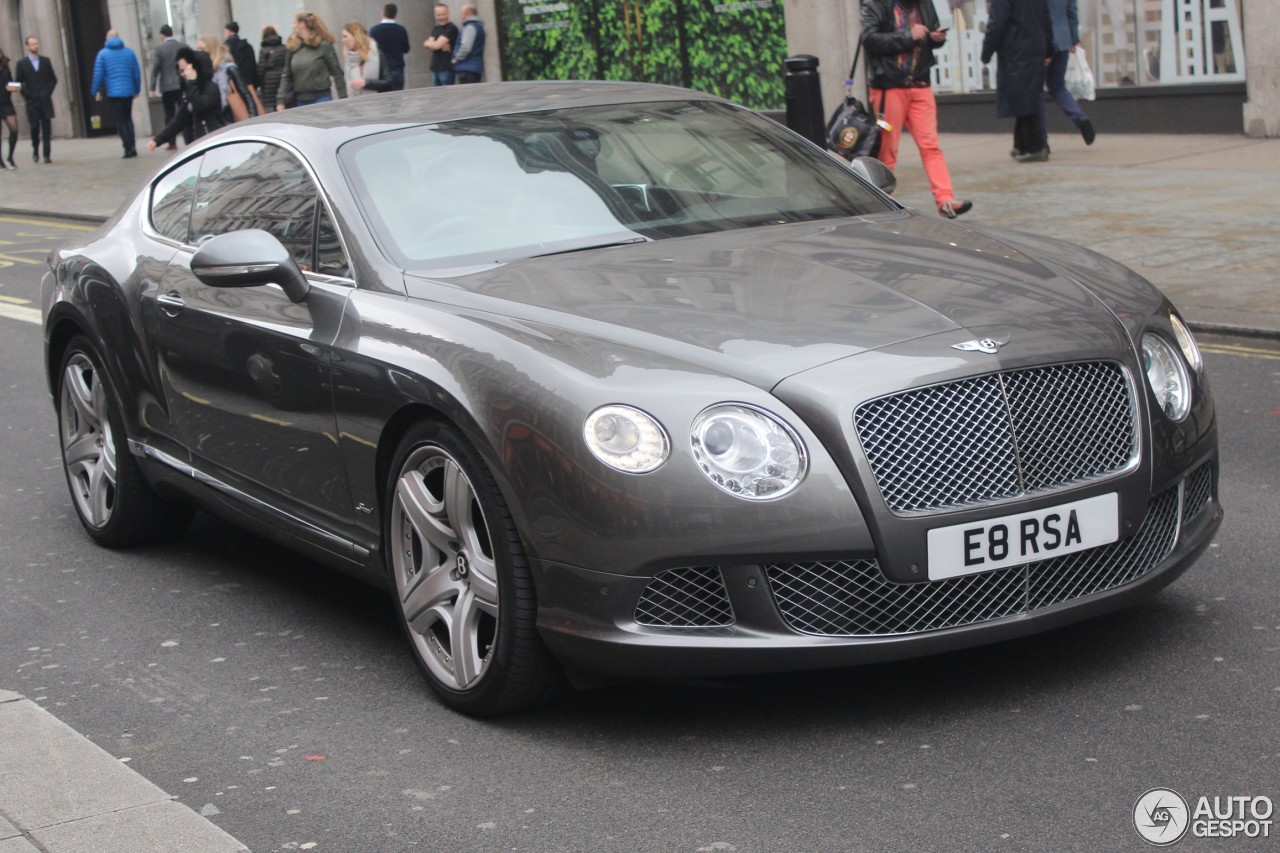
486	190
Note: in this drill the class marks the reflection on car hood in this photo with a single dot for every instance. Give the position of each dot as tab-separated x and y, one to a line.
781	299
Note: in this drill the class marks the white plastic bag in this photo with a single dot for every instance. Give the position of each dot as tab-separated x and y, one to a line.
1079	77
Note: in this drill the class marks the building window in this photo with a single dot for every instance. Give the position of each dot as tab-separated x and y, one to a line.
1128	43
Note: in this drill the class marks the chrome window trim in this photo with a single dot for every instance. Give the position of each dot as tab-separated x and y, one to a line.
150	231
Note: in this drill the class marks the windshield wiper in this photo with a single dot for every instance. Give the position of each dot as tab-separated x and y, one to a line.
589	246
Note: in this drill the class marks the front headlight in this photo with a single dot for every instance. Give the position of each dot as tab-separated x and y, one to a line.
1188	343
626	439
748	452
1167	376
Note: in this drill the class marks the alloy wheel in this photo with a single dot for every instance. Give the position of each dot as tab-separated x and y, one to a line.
445	571
88	445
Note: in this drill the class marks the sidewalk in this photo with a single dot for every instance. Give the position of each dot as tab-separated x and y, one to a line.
60	793
1197	215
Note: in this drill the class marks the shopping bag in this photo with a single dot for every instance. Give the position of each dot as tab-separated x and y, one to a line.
1079	77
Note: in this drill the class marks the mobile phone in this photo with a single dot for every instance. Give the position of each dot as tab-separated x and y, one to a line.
942	29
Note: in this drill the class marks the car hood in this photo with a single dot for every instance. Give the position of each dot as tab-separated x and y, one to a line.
765	303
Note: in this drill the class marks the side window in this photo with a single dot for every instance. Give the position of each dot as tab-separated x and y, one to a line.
330	259
256	185
171	201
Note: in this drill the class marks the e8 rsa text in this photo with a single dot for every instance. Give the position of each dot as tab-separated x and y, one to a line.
1031	537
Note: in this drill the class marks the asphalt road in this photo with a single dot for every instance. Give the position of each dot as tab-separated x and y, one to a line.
278	698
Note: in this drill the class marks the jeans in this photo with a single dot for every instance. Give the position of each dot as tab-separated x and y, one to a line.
320	100
1055	81
442	78
122	112
915	109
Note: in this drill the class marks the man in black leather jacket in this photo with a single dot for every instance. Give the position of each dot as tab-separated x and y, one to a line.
900	37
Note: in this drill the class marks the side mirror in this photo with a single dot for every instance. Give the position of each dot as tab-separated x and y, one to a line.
875	172
249	258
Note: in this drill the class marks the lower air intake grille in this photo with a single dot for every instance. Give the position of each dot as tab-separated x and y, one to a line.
1198	490
692	597
853	599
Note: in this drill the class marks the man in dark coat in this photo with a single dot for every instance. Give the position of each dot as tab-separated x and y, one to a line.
1019	32
35	74
241	54
165	82
393	44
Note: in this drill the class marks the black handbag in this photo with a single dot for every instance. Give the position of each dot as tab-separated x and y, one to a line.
853	130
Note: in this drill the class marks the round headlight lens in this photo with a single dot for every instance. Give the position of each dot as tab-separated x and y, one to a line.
1187	342
1167	376
748	452
626	439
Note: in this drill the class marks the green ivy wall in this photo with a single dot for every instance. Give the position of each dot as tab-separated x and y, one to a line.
731	48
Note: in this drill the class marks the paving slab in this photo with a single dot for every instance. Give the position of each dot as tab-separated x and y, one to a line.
62	793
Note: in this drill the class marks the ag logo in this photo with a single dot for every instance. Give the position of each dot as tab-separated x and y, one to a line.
1161	817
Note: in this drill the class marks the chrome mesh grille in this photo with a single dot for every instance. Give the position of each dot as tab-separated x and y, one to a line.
854	599
998	436
692	597
1199	489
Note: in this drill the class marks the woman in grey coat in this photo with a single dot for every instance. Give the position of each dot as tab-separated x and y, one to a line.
1018	31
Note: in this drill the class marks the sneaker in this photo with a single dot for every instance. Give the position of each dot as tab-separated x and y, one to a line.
1015	153
955	207
1033	156
1086	130
12	165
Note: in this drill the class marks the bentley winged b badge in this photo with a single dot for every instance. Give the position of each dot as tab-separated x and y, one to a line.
987	345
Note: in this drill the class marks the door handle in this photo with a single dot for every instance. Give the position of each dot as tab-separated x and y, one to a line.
171	303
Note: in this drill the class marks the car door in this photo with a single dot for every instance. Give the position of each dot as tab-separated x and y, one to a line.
248	376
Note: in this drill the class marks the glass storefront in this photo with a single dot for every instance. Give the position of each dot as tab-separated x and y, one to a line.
1127	42
728	48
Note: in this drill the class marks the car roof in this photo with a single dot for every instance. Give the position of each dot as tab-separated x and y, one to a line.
348	119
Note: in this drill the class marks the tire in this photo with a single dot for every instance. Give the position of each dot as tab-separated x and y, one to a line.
114	503
463	589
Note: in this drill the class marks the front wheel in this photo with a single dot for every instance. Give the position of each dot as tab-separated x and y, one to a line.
462	581
115	505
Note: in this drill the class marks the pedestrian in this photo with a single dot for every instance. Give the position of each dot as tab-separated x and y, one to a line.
365	73
201	106
1018	31
393	45
468	56
7	112
36	80
165	82
1064	20
443	37
900	37
219	60
271	57
311	68
242	56
117	75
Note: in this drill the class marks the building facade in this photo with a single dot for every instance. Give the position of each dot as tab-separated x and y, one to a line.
1160	65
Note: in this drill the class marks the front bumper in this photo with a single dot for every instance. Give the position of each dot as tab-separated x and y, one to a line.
772	616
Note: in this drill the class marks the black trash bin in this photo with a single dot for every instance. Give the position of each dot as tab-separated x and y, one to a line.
804	98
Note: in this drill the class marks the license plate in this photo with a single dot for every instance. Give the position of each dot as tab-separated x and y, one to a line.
1011	540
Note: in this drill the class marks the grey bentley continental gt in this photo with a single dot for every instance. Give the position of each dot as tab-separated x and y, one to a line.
626	380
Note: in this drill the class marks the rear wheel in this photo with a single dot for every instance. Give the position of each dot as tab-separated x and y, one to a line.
462	580
114	503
